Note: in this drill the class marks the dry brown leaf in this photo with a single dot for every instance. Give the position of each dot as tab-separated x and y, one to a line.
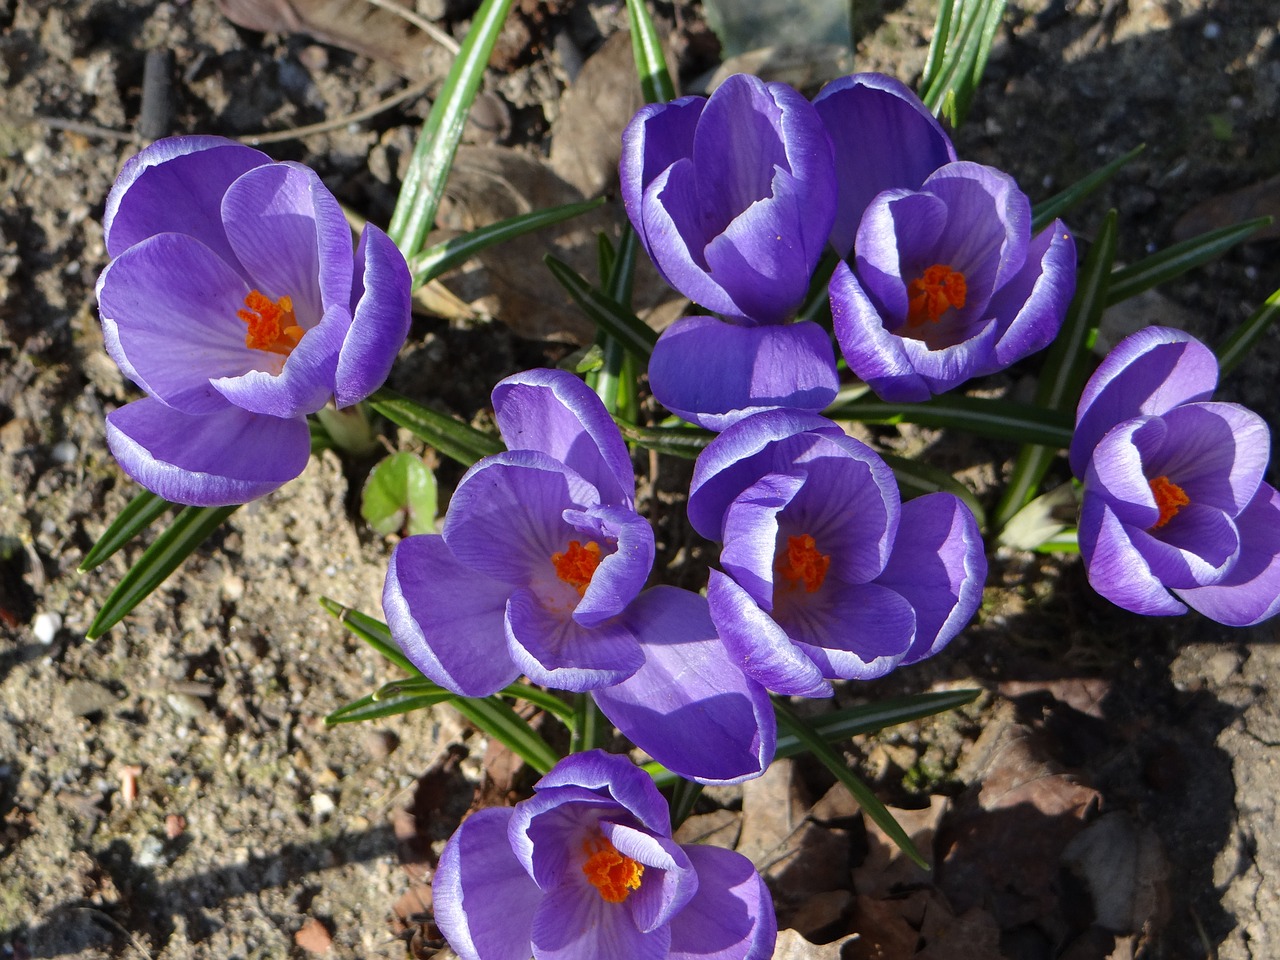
719	828
792	946
1227	209
1124	867
975	935
433	814
886	869
773	806
883	933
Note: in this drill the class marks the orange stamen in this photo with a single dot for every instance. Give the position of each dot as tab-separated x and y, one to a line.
802	563
1170	498
934	293
272	325
613	875
578	564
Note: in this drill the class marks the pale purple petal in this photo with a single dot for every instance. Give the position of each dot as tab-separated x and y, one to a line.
731	917
573	922
1251	591
1148	373
896	221
1037	298
212	460
714	373
851	631
875	355
447	618
988	225
690	706
168	307
616	777
382	299
751	533
484	903
555	651
884	137
554	412
550	830
176	186
939	566
763	648
668	882
1197	548
659	135
1216	452
1115	567
621	574
1116	470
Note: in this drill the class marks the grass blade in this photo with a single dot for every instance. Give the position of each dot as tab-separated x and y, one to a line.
190	528
1001	419
1237	346
453	438
686	442
373	708
138	514
1165	265
607	314
371	631
651	63
499	721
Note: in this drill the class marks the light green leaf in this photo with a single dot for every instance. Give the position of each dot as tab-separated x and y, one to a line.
651	64
962	39
400	494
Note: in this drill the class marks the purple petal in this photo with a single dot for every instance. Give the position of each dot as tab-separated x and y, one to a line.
751	533
659	135
1116	471
669	880
380	318
884	137
290	234
549	830
225	457
1251	592
168	308
554	412
851	631
896	221
616	777
447	618
714	373
768	442
574	921
759	645
1216	452
176	186
939	566
506	515
555	651
877	356
621	574
1030	308
731	917
988	226
1150	372
484	902
690	706
1197	548
1115	567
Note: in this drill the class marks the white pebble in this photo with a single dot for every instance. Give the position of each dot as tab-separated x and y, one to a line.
46	626
64	452
1212	30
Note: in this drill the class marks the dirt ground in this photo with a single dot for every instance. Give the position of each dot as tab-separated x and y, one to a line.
171	791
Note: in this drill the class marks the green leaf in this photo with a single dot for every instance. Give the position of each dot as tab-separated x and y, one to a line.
915	479
684	794
1043	520
138	514
190	528
651	64
813	742
439	259
686	442
1001	419
1043	213
499	721
372	708
438	141
962	39
453	438
371	631
1172	262
607	314
400	494
1065	369
588	726
1237	346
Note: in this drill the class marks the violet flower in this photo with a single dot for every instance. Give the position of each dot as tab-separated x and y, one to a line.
827	574
948	283
733	197
235	301
1175	510
586	869
538	571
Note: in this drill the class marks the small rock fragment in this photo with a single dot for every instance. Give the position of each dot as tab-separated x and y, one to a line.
313	936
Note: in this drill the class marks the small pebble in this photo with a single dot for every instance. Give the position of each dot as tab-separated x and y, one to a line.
322	804
174	825
381	743
1212	30
63	452
46	626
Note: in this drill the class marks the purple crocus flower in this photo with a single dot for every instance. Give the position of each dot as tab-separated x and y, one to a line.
884	139
539	569
586	869
948	283
733	197
1175	510
235	301
827	574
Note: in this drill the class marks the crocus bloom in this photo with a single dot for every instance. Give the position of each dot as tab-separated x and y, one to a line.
586	869
884	138
538	570
733	197
235	301
827	574
948	283
1175	510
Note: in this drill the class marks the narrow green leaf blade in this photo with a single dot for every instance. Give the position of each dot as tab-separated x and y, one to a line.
371	631
686	442
606	313
651	64
138	514
453	438
499	721
872	717
1174	261
189	529
1237	346
1001	419
1045	212
371	708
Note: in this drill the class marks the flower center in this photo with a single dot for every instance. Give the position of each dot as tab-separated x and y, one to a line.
576	565
272	325
802	563
613	875
933	293
1170	498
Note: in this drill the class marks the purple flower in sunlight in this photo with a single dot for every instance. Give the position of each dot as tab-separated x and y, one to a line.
539	570
1175	510
733	197
948	283
826	573
234	299
884	138
586	869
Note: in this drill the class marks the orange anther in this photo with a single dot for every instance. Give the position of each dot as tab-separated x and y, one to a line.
272	325
802	563
1170	498
935	292
576	565
613	875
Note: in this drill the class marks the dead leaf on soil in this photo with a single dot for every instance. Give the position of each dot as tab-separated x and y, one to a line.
313	936
1227	209
1124	866
886	869
792	946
